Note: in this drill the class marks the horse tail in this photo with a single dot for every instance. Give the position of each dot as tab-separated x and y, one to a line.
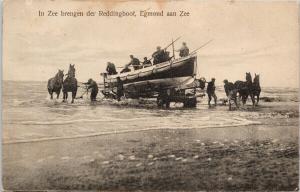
50	84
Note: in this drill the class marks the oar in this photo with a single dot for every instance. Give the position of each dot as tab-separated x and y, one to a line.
201	46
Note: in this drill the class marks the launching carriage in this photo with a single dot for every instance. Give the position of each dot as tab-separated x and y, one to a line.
170	81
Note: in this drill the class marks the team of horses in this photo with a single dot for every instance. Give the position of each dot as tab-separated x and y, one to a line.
57	83
244	89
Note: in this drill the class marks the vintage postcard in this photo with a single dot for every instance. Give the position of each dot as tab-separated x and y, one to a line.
150	95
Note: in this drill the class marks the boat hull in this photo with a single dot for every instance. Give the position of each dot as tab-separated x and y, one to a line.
182	67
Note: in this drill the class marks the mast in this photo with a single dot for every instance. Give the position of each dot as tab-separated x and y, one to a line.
173	48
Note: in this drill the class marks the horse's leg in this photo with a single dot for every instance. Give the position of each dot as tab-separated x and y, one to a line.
57	93
253	99
63	97
73	96
239	97
235	102
51	94
258	98
245	97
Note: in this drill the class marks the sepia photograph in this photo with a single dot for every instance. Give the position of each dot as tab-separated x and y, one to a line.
150	95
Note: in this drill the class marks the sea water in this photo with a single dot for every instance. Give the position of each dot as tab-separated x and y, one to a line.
29	115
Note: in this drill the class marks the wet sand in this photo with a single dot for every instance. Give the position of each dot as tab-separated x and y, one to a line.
254	157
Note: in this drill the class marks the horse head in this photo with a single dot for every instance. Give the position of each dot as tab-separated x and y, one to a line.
60	75
256	79
248	77
71	71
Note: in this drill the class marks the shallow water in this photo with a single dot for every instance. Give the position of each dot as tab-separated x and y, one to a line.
29	115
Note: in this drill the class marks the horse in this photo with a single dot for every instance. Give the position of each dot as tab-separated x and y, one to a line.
70	84
244	88
55	83
256	88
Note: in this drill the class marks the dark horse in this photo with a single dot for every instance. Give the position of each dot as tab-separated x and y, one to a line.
245	89
55	83
70	84
256	88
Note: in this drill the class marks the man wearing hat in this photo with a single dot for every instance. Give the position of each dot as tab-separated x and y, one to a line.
94	89
111	69
184	50
146	62
228	86
158	55
211	91
135	62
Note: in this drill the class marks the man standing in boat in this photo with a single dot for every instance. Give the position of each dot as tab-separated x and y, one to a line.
135	62
211	91
184	50
158	55
94	87
146	62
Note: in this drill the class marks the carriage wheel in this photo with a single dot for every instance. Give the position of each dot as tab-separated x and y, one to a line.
190	102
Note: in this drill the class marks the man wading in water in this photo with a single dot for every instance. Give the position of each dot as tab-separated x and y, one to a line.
211	91
94	87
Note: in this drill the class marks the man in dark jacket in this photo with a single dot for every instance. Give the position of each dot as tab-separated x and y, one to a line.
158	55
228	86
211	91
184	50
94	89
134	62
146	62
111	69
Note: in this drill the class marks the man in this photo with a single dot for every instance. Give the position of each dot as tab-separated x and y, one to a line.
211	91
228	86
120	88
111	69
184	50
94	87
134	62
146	62
231	92
158	55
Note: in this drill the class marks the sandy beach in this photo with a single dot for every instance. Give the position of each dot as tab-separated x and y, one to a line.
252	157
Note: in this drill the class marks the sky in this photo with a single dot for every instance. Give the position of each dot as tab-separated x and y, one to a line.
248	36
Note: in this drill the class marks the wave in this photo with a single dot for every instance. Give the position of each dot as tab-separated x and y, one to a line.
65	122
243	123
279	99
